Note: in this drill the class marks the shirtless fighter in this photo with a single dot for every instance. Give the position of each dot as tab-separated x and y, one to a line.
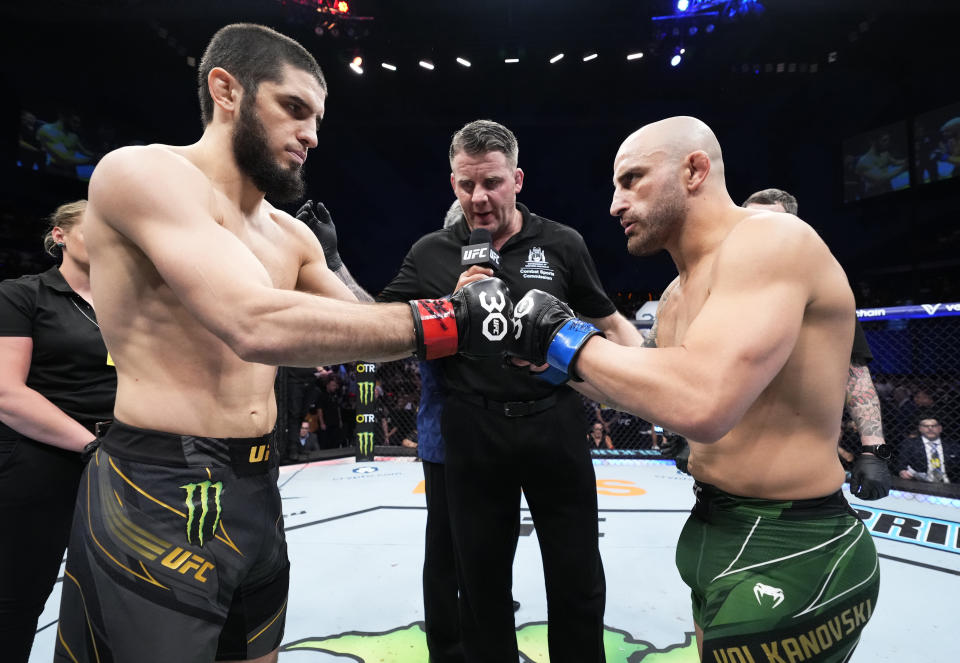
751	363
177	551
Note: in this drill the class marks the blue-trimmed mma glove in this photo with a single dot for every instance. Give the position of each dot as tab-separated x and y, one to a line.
318	219
545	331
473	321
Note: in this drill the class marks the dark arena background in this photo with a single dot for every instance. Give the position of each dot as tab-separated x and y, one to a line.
797	92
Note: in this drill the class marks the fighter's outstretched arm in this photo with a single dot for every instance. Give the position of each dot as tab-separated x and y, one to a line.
219	281
732	350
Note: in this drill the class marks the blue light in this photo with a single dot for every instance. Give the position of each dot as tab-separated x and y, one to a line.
683	5
675	60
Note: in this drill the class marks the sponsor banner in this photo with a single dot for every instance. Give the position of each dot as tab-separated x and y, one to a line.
910	528
907	312
365	431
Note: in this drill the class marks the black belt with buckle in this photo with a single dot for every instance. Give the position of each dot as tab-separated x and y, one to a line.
510	408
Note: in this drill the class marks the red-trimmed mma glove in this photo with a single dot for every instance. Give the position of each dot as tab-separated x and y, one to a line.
545	331
473	321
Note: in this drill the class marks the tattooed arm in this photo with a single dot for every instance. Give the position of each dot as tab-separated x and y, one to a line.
344	275
650	338
863	406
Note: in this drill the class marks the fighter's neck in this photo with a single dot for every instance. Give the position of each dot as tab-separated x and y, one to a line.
703	231
213	154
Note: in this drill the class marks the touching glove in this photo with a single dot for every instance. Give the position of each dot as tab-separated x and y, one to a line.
676	447
319	221
545	331
473	321
870	477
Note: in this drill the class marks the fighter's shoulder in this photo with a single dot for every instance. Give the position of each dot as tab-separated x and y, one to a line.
152	170
770	236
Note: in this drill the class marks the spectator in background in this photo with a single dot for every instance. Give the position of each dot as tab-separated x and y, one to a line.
56	383
302	393
928	457
328	414
597	438
307	441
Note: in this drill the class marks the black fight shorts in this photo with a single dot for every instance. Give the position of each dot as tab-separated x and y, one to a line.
177	551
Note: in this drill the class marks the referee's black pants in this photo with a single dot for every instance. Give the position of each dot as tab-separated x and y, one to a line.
489	458
38	490
440	612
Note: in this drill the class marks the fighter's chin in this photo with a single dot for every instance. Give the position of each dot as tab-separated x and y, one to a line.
640	248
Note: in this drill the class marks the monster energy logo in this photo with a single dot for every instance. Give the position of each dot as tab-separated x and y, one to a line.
200	493
366	392
365	442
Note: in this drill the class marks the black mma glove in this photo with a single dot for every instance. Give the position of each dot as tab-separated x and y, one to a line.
675	447
89	450
870	477
318	220
545	331
474	321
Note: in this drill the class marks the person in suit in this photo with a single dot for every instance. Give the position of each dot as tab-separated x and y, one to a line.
929	457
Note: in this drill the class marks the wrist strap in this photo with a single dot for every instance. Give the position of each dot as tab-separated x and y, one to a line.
566	344
554	376
435	323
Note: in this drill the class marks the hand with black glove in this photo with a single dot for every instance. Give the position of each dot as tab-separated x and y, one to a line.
318	219
473	321
545	331
870	477
675	447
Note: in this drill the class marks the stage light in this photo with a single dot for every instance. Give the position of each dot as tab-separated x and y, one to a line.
683	51
592	56
511	60
357	69
426	64
683	5
692	31
556	58
343	7
635	56
387	65
710	27
465	63
358	61
675	60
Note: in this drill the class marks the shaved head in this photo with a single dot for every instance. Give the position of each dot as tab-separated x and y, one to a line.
674	138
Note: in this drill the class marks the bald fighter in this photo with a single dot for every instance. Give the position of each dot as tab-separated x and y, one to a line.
202	287
751	365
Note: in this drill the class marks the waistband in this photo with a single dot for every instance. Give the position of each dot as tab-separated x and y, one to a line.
508	408
246	455
711	499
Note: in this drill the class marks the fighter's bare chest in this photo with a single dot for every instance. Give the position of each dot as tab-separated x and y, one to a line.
272	247
678	312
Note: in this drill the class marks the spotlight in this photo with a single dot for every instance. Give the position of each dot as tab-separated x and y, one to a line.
358	61
465	63
387	65
635	56
710	28
592	56
426	64
683	5
343	7
556	58
675	60
683	51
692	31
357	69
511	60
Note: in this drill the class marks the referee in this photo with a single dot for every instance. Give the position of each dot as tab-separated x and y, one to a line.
505	430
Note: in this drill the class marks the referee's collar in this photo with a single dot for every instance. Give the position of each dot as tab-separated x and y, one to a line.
529	226
53	279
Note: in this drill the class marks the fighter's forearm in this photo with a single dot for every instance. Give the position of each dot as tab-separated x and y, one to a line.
863	405
287	328
344	275
29	413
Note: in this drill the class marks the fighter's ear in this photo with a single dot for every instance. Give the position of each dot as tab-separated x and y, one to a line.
695	170
517	180
225	90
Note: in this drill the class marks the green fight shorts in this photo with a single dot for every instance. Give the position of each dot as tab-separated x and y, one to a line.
777	581
177	552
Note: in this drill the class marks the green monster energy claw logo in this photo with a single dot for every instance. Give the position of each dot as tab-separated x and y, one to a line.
366	392
365	442
201	492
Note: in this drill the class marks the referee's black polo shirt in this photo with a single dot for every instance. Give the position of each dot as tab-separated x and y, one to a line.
69	361
544	254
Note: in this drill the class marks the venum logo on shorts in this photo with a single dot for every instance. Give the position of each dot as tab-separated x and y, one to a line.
365	442
761	590
365	392
495	324
203	497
